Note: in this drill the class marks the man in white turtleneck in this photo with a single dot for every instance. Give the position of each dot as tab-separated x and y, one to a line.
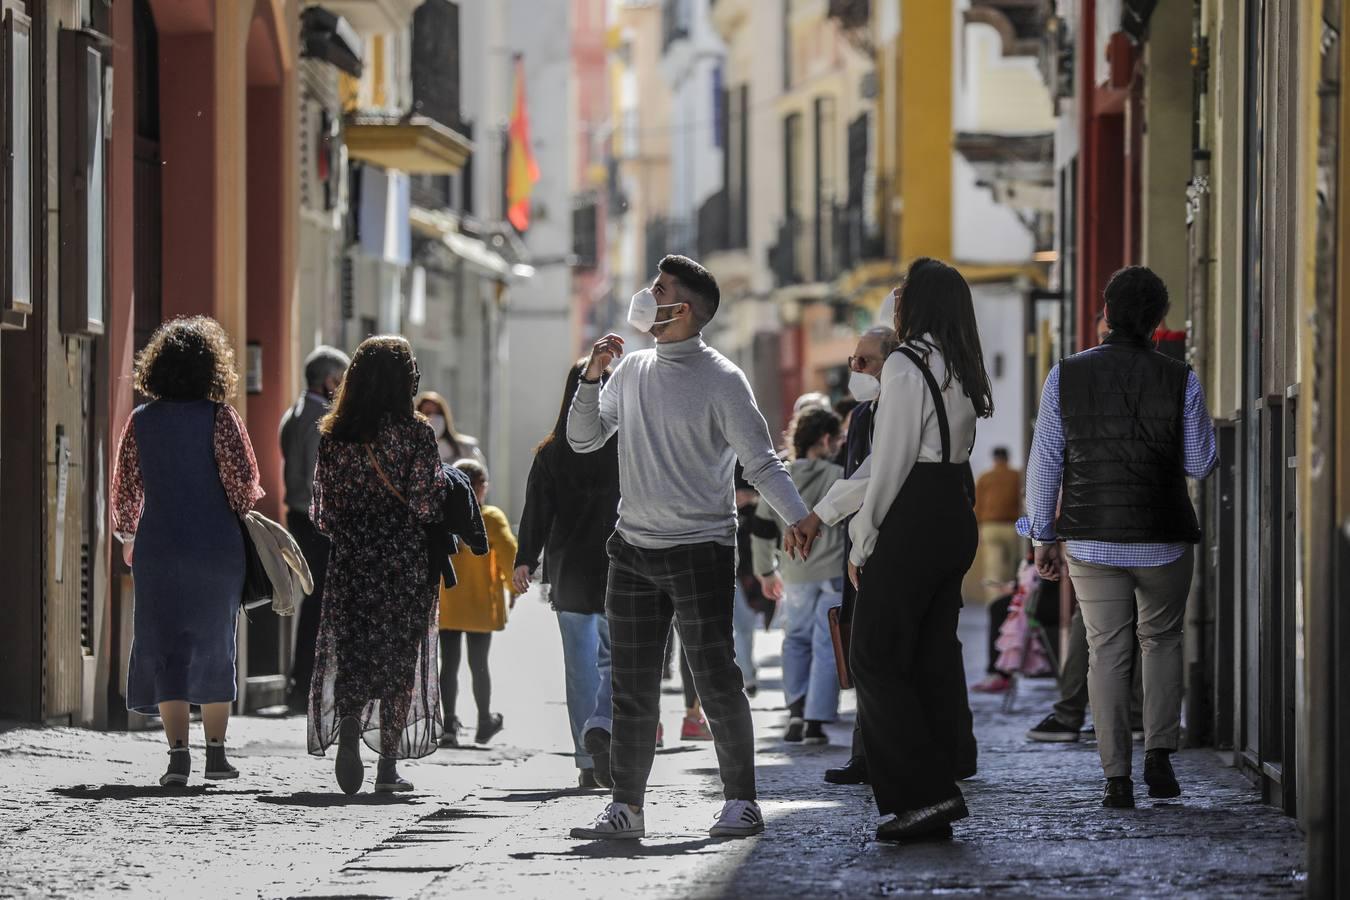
684	414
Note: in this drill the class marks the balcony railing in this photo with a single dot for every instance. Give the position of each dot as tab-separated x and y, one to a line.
720	226
820	250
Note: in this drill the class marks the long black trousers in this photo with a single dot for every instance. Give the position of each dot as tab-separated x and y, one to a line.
314	547
479	645
911	694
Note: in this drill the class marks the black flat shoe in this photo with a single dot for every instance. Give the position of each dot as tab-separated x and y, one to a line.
596	742
852	772
1158	775
348	768
925	821
1119	793
488	728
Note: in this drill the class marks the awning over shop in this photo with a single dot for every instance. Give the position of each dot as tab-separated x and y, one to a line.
417	145
444	228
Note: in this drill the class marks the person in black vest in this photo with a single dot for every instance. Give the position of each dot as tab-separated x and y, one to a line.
1120	428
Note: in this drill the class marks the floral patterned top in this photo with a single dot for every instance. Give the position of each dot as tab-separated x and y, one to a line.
234	459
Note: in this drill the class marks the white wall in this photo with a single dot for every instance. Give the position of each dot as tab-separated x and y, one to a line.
999	311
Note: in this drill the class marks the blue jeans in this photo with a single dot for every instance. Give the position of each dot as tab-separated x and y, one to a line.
808	652
586	662
743	622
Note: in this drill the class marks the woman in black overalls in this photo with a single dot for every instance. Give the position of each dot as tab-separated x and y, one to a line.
913	541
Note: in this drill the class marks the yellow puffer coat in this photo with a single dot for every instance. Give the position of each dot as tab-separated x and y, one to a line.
478	601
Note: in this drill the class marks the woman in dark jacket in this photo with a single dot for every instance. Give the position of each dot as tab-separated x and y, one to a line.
185	474
571	507
378	482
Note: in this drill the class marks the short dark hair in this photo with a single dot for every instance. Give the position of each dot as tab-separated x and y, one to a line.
809	426
323	362
697	281
187	359
1136	301
1001	453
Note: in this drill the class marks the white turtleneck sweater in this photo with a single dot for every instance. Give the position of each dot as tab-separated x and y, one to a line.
684	414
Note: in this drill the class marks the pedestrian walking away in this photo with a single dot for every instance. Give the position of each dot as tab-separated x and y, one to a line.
808	589
684	415
378	481
1120	428
472	610
450	444
324	369
916	531
185	474
571	506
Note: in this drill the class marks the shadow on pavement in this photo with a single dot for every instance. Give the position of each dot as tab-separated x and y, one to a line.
628	849
315	800
519	796
142	792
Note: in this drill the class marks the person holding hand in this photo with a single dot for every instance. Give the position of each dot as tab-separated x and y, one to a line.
684	414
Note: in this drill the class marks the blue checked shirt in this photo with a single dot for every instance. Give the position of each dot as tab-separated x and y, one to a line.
1045	472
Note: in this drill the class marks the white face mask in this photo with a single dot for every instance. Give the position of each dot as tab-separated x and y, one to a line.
642	311
437	423
863	387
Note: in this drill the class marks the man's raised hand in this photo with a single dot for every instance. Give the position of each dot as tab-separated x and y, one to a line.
603	352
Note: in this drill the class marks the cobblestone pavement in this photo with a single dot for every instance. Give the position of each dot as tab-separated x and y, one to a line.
81	814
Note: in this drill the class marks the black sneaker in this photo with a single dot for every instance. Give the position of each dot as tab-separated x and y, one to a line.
1119	793
1053	731
180	767
218	768
815	734
852	772
1158	775
596	742
796	729
586	780
487	728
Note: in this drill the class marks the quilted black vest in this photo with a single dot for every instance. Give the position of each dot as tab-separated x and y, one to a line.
1124	475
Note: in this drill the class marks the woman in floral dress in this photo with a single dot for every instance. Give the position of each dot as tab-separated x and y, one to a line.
378	481
185	473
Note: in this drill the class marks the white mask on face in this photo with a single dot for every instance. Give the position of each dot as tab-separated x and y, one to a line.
642	310
863	387
437	423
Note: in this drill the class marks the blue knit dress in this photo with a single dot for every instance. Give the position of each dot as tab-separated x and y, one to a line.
188	566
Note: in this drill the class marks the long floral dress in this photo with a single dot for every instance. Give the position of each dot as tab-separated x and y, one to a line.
376	656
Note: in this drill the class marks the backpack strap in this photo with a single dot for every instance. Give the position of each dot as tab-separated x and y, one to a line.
939	407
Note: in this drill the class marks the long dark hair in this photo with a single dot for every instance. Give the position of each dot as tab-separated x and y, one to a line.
380	383
934	302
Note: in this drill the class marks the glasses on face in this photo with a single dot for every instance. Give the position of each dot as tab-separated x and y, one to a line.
860	363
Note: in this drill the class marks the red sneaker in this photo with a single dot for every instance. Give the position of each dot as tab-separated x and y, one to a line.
695	729
994	684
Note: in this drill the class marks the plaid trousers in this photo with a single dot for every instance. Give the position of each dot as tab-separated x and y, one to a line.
696	585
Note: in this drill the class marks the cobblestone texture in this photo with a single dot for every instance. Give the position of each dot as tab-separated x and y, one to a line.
82	815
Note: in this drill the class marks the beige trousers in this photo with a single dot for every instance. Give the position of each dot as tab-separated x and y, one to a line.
1107	596
1001	548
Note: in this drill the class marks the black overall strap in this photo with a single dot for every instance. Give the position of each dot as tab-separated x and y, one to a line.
939	406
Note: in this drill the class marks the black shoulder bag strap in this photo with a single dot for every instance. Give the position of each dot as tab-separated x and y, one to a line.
939	406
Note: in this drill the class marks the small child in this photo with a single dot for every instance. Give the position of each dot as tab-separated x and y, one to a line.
474	608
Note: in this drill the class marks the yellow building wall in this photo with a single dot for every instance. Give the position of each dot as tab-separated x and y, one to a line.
925	130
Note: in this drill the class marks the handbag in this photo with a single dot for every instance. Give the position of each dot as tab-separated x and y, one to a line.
841	633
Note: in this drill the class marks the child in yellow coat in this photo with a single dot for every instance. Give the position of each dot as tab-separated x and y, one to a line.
473	609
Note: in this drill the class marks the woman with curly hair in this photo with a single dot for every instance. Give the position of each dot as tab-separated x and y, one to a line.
378	481
185	473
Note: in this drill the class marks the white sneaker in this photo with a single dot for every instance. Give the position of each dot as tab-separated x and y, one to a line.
739	818
617	822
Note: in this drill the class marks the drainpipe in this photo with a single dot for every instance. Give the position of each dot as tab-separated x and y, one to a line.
1199	628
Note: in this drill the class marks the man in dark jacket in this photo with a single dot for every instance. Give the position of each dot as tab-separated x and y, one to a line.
1120	428
324	369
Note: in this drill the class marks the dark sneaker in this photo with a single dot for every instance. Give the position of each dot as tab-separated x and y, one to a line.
387	779
449	739
488	728
796	730
1119	793
180	767
852	772
815	734
1158	775
586	780
596	742
923	822
218	768
751	690
349	769
1053	731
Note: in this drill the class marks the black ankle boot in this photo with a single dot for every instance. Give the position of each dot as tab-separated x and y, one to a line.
218	768
1119	793
1158	775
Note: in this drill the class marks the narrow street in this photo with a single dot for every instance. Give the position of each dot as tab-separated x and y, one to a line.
82	815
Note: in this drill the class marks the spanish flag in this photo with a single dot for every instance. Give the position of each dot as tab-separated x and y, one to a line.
522	171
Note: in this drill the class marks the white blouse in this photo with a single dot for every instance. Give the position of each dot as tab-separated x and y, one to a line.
904	431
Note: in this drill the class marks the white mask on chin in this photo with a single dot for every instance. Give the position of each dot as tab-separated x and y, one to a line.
863	387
